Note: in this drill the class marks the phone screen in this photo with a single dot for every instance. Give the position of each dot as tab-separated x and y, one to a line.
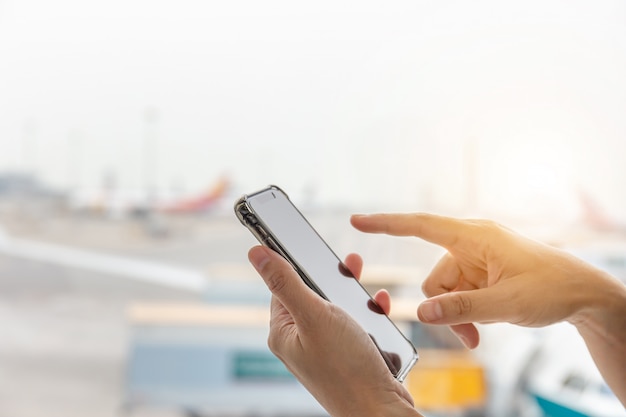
279	224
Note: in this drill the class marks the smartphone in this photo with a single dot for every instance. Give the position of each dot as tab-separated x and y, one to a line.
277	223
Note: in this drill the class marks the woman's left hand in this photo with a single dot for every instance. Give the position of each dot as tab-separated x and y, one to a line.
327	351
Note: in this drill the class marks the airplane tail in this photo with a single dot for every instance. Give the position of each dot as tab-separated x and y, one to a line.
594	216
202	202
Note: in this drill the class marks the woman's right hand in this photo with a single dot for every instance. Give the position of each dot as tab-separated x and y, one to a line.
492	274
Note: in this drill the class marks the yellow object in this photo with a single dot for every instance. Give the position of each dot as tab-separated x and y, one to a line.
446	380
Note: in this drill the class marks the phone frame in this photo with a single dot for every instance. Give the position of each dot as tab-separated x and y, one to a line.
264	235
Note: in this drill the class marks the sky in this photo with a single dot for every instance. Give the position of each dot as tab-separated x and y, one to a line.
485	106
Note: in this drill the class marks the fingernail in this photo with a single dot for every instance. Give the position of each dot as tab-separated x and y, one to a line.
430	311
258	257
465	341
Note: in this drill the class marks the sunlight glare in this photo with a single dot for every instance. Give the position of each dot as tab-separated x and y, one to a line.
534	178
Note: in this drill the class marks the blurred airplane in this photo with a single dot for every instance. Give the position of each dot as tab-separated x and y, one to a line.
200	203
597	218
116	203
606	248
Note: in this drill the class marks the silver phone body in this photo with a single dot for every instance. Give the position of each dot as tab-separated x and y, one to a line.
278	224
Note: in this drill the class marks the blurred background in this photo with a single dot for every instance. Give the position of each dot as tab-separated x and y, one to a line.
129	128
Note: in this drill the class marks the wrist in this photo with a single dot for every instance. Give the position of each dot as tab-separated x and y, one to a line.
601	324
396	403
602	304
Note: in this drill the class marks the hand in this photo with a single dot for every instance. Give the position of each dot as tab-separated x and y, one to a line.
492	274
327	351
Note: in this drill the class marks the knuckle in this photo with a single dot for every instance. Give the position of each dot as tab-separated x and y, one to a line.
461	305
426	288
276	339
417	221
273	342
490	227
487	233
275	280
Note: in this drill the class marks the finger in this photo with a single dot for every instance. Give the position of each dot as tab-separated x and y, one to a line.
443	231
460	307
446	277
354	263
284	283
443	278
467	334
383	299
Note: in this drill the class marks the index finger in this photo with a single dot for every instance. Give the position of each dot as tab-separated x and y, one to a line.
443	231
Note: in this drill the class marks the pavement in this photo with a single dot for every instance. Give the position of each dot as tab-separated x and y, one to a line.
64	338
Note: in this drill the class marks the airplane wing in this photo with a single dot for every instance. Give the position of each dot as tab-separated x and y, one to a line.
140	270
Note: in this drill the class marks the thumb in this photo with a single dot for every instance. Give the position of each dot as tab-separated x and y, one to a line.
461	307
284	282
